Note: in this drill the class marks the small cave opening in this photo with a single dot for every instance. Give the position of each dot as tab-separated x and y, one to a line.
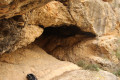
107	0
18	18
62	36
65	2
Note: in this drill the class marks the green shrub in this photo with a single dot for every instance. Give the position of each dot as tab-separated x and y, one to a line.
81	63
88	66
117	73
118	54
92	67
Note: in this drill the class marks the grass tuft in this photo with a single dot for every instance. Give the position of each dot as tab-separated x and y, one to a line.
117	73
88	66
118	54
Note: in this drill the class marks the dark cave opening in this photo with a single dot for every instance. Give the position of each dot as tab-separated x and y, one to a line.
66	31
62	36
18	18
60	40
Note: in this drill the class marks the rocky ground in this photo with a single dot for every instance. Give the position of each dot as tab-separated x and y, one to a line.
33	59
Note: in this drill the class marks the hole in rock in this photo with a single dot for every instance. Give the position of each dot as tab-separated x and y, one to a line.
65	31
64	36
107	0
65	2
18	18
5	32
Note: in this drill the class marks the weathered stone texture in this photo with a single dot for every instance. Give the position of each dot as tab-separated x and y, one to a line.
52	14
9	8
86	75
32	59
15	34
93	16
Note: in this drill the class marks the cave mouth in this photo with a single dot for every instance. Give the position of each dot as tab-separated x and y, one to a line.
64	36
65	31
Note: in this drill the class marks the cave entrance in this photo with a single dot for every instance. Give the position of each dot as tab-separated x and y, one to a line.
62	36
65	31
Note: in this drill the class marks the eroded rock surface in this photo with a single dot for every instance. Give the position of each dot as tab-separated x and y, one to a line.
98	17
16	34
93	16
86	75
10	8
32	59
52	14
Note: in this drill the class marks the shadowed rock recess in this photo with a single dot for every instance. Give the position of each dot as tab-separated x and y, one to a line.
74	31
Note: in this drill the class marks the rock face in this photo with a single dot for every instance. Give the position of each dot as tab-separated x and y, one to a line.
52	14
16	34
9	8
93	16
81	47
